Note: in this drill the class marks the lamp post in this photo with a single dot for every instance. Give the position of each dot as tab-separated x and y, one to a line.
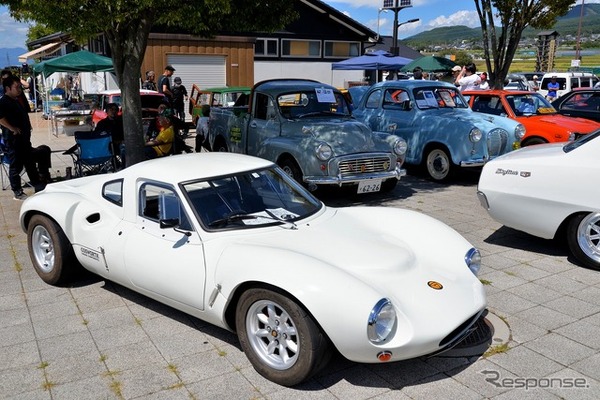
395	49
378	15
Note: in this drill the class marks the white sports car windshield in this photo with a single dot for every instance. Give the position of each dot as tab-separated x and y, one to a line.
581	141
250	199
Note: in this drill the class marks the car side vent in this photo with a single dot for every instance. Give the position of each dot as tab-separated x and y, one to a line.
93	218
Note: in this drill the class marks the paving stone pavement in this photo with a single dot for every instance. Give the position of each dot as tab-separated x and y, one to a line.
98	340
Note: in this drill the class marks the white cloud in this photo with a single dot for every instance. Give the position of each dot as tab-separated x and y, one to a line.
468	18
12	33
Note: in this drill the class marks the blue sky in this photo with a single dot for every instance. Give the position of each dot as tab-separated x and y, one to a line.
432	14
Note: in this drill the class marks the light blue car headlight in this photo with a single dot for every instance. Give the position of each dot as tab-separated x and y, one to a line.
475	135
519	132
324	152
473	260
400	147
382	321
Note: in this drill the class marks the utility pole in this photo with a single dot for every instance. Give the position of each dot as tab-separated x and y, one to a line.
396	6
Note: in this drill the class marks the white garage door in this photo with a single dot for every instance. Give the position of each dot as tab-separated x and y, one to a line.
203	70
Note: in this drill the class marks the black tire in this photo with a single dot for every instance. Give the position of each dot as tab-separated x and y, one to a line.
220	145
532	141
389	185
583	237
305	347
290	167
438	164
50	250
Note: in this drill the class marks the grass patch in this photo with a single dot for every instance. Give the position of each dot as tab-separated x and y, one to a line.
222	353
138	321
116	388
510	273
501	348
175	386
43	365
48	385
485	282
111	374
172	368
103	358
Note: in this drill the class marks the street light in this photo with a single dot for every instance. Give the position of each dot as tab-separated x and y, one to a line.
378	15
395	49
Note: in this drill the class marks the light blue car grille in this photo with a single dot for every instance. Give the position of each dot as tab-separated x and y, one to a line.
496	142
364	166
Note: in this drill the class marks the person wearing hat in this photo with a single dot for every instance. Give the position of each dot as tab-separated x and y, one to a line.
180	95
467	79
553	87
455	71
164	83
535	85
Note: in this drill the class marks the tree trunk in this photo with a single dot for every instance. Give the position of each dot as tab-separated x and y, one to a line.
128	45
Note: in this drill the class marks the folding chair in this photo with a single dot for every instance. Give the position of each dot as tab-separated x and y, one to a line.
4	169
93	154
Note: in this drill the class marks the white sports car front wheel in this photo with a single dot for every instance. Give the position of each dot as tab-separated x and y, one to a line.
279	337
583	236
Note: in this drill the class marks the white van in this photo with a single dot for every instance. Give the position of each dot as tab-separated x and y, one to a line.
568	81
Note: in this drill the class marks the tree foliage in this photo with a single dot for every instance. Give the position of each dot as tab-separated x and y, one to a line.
37	31
127	24
512	17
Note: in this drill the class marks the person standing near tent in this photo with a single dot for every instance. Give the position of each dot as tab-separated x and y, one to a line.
164	83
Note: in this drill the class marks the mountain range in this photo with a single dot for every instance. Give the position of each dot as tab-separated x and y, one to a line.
566	25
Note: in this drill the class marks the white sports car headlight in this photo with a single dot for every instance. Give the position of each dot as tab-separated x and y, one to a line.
475	135
400	147
324	152
382	321
473	260
519	132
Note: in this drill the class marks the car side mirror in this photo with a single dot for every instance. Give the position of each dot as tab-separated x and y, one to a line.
169	223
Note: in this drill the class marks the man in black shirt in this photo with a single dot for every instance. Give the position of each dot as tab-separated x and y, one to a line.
17	140
164	83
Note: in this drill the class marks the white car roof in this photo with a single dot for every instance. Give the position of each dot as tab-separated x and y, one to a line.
185	167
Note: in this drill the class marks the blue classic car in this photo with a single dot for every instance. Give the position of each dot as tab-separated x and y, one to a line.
441	130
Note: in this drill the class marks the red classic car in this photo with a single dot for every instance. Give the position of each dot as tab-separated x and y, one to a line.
542	122
150	102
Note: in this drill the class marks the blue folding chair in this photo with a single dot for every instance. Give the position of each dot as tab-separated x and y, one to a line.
93	154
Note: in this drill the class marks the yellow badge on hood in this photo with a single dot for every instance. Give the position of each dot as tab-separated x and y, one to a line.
435	285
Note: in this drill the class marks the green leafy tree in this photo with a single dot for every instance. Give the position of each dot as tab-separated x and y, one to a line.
461	57
513	16
37	31
127	24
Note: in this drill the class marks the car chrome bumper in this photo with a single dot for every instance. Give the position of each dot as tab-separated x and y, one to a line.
350	179
473	163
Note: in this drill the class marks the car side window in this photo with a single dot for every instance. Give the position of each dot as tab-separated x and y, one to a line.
373	100
157	201
113	192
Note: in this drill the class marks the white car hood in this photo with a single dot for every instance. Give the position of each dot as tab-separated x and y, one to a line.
535	151
374	244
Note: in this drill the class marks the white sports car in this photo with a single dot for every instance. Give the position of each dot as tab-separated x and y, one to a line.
549	191
232	240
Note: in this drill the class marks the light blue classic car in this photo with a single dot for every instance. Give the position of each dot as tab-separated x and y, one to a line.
441	131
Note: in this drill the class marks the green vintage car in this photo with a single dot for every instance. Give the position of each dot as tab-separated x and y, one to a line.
216	97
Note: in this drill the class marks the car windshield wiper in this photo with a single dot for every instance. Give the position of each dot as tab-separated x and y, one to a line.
317	113
238	216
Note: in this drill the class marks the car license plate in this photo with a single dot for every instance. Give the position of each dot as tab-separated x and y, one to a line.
371	185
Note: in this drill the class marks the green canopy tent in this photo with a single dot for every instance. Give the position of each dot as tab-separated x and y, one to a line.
80	61
430	64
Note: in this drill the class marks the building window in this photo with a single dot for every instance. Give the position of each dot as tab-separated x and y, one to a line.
300	48
265	48
342	49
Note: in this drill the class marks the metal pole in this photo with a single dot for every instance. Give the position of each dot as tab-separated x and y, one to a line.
394	49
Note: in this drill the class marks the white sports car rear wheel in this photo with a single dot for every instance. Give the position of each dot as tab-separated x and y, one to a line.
583	236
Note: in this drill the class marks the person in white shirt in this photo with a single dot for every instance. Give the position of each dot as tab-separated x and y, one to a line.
484	85
467	79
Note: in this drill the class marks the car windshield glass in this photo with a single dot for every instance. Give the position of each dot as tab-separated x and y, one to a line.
581	141
315	103
436	97
250	199
530	104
